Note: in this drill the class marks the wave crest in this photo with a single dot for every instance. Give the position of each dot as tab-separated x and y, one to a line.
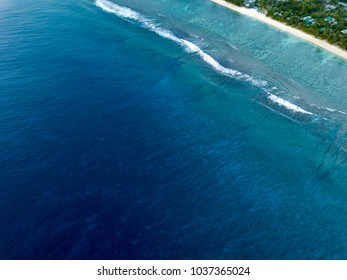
149	24
127	13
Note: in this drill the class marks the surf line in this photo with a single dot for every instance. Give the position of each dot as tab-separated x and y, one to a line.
149	24
129	14
284	103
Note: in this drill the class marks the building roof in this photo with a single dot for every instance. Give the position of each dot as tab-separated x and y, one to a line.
308	19
330	7
329	19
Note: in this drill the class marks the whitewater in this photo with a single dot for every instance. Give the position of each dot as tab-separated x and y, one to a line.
129	14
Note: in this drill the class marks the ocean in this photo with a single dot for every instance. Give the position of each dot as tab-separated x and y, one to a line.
157	129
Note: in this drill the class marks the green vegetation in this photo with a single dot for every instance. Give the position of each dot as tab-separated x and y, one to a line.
324	19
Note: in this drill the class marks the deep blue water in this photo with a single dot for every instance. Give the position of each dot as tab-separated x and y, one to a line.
120	142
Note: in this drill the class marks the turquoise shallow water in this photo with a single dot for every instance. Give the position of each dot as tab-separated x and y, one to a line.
167	129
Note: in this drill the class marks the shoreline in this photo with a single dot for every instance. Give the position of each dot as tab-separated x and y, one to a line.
281	26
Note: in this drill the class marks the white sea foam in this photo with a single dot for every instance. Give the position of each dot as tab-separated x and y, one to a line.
335	111
127	13
123	12
284	103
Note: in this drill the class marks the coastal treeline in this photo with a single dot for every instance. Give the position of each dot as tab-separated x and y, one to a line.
323	19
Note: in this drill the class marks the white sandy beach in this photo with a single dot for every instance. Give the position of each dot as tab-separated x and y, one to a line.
253	13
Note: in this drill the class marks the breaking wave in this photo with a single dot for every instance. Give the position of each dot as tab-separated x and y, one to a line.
149	24
129	14
284	103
